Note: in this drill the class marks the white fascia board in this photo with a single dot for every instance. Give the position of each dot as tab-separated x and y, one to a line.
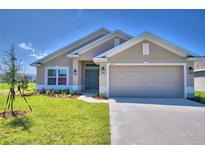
199	70
98	60
72	56
194	59
35	64
102	40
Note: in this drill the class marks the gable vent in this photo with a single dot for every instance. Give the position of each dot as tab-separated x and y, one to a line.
145	48
116	42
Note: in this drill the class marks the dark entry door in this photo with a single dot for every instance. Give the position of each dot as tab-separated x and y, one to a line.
92	79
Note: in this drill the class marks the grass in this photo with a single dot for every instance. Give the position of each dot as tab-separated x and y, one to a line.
5	86
200	95
56	121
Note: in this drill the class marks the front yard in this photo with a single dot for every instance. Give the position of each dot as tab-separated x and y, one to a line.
4	86
200	96
56	121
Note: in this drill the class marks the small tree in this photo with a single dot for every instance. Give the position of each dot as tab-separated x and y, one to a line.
10	68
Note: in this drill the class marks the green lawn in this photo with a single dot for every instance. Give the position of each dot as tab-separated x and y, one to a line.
5	86
201	95
56	121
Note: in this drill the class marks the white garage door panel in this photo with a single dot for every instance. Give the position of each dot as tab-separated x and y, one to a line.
146	81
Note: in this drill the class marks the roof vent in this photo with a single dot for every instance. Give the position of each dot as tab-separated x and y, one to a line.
116	41
145	48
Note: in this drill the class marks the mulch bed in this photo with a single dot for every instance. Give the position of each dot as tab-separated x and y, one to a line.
100	98
53	96
197	99
64	96
15	114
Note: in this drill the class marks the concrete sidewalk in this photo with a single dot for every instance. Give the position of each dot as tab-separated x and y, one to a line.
87	96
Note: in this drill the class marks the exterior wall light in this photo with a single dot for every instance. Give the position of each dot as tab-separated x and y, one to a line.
102	70
191	70
75	71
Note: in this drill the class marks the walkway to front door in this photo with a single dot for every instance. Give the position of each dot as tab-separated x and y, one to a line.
92	78
88	97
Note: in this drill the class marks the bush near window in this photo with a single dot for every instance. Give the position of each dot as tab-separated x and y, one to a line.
57	93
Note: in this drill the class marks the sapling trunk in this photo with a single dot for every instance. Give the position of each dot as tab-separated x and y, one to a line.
11	65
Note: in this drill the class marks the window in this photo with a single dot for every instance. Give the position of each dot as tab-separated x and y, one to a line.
51	77
62	77
57	76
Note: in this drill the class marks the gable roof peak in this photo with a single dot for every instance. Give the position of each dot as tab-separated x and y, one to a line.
117	31
153	38
146	32
72	45
102	29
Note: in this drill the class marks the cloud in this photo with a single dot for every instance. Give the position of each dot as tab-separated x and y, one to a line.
38	54
26	46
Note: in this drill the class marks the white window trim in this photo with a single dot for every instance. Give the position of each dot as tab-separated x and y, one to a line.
149	64
56	67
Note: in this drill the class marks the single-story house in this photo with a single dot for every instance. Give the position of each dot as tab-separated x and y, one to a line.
28	77
118	64
199	75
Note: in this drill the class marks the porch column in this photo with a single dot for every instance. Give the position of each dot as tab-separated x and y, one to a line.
75	73
103	79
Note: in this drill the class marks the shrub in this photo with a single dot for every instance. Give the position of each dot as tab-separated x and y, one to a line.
73	92
48	92
58	91
42	91
67	91
52	93
101	95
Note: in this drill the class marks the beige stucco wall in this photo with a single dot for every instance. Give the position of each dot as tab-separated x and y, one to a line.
190	77
60	61
157	55
199	81
89	55
77	75
103	76
199	64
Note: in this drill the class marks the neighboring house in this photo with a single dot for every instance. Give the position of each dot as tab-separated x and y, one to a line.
28	77
199	75
118	64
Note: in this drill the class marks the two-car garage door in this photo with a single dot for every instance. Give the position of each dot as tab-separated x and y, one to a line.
146	81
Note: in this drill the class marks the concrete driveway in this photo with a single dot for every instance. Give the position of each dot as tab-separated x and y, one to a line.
156	121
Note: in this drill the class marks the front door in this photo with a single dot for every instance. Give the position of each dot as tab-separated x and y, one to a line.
92	79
